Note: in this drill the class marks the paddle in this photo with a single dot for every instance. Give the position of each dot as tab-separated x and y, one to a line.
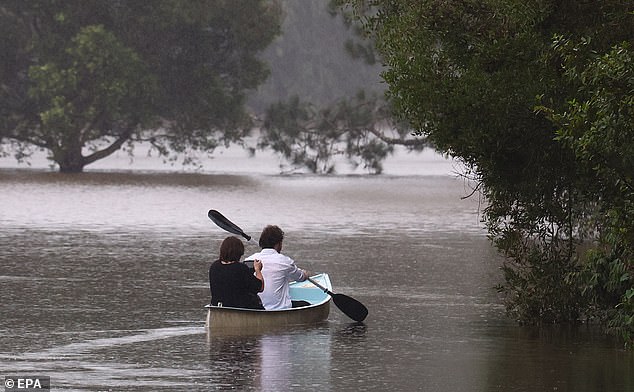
226	224
349	306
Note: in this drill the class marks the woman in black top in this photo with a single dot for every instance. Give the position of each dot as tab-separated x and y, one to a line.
232	283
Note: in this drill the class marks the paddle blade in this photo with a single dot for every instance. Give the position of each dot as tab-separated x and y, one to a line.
226	224
350	307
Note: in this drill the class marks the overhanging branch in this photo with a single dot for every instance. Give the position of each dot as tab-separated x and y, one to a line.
398	141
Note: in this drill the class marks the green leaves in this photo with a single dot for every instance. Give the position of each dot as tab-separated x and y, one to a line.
81	78
598	125
100	77
557	171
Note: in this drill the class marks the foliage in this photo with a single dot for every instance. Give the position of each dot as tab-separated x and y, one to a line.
466	75
356	128
94	89
540	285
334	110
598	125
89	76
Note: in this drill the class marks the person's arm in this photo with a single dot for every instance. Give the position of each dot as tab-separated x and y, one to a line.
293	272
301	274
257	266
305	274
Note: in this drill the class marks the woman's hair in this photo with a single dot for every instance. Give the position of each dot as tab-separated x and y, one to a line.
270	236
231	249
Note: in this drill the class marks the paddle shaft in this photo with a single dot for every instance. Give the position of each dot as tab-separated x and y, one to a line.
325	290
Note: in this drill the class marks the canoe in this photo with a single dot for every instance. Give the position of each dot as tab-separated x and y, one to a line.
227	318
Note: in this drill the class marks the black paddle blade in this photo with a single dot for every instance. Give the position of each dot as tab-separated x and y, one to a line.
226	224
350	307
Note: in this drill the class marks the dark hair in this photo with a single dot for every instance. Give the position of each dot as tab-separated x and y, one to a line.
231	249
270	236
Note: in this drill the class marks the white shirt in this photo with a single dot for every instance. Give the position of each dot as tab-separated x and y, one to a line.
278	271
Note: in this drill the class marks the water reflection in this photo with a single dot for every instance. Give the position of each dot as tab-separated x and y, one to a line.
557	358
234	362
352	332
162	202
283	361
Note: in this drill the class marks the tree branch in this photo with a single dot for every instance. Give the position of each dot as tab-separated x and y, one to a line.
398	141
97	155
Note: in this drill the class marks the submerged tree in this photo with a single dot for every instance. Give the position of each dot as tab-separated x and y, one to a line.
598	125
81	79
466	75
361	129
332	117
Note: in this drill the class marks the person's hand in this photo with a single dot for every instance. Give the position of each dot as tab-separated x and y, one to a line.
257	265
306	273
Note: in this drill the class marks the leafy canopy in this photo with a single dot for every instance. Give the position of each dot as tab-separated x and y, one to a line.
82	78
536	98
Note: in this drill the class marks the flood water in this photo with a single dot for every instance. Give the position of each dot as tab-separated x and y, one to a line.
103	279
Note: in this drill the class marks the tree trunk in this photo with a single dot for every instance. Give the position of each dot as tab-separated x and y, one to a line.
70	161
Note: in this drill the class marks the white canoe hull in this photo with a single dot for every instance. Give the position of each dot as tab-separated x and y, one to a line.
227	318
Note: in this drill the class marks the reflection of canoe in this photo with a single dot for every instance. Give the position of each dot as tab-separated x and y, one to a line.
220	318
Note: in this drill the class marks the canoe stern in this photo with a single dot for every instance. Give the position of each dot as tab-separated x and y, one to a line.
226	318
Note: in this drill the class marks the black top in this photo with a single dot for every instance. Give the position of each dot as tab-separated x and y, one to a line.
234	285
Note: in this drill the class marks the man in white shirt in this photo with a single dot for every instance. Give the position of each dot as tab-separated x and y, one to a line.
278	270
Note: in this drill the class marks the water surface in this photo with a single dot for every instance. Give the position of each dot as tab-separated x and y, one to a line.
103	277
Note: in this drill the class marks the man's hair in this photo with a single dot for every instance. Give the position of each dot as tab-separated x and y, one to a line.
231	249
270	236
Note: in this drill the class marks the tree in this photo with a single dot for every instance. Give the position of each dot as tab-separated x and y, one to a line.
466	75
335	107
362	129
598	125
83	78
